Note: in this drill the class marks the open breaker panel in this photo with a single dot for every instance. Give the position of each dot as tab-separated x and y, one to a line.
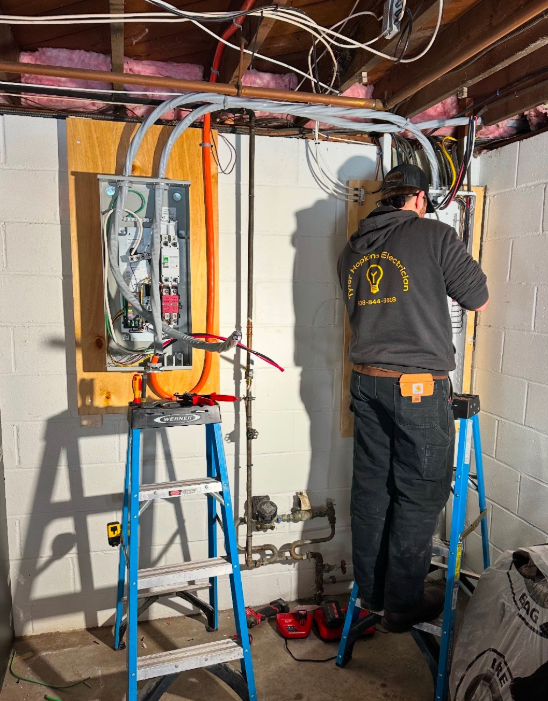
130	336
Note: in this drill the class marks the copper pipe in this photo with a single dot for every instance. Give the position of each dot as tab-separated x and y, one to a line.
188	85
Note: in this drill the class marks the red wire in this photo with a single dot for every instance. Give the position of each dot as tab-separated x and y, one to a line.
241	345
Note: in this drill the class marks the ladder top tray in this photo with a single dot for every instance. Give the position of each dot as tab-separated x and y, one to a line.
171	413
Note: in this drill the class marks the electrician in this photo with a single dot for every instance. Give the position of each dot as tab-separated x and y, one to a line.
396	273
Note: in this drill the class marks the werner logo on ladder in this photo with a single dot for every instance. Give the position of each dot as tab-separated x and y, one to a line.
139	589
438	655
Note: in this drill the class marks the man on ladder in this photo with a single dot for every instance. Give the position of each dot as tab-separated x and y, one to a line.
396	272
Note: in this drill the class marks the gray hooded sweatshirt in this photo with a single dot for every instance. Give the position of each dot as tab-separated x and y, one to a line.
396	273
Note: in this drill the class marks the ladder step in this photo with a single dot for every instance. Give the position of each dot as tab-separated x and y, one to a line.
170	591
183	572
433	627
440	547
182	488
174	661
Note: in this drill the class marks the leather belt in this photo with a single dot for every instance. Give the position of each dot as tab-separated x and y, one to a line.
383	372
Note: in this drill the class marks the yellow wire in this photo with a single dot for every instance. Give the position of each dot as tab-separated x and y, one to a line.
453	170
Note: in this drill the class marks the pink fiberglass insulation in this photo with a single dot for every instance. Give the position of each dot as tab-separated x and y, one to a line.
538	117
183	71
71	59
502	130
275	81
443	110
364	92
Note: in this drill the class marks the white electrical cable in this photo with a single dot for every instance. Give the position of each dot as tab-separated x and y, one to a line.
105	265
288	15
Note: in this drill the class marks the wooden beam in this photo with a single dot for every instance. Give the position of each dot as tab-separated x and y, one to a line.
515	47
117	40
518	101
506	86
474	31
364	61
9	51
258	29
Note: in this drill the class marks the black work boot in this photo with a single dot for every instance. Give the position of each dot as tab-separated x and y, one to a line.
431	607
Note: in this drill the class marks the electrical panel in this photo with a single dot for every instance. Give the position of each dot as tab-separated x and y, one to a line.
130	335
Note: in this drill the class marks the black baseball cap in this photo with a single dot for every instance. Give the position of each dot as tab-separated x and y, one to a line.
408	175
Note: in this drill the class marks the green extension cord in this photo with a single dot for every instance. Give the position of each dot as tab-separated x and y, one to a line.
51	698
35	681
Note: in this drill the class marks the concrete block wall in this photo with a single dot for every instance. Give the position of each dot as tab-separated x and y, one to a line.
511	357
64	481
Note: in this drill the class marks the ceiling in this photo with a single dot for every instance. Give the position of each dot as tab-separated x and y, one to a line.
495	50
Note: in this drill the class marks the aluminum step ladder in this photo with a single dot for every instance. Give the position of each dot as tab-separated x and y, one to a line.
138	588
439	654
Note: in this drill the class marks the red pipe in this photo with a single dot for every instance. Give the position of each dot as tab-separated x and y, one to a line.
209	215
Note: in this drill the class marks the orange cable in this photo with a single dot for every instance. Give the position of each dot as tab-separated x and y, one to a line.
209	217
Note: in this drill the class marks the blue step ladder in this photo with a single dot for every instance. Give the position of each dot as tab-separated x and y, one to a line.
439	654
138	588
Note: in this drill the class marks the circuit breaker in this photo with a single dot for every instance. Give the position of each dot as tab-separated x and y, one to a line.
130	335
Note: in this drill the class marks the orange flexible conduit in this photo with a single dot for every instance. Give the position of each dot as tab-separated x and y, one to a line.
209	217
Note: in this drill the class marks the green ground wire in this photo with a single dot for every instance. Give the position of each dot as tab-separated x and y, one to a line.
51	698
35	681
135	192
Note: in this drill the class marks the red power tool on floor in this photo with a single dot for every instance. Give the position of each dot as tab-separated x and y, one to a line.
329	620
256	616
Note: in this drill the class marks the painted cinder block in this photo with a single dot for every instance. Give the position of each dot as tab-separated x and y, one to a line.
511	306
532	160
526	355
529	255
536	414
23	300
501	395
498	169
509	532
515	213
524	449
32	143
488	350
533	497
541	312
29	196
33	248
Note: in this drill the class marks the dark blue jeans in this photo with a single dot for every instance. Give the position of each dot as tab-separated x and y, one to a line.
403	466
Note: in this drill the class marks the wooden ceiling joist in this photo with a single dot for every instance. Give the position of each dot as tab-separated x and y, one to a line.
117	40
364	61
259	29
518	101
9	51
512	49
476	30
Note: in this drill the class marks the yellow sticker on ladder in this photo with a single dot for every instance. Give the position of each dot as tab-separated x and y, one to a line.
459	558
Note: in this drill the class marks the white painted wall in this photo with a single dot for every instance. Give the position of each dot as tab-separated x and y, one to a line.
64	482
511	358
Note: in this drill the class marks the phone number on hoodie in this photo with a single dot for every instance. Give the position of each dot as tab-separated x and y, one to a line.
386	300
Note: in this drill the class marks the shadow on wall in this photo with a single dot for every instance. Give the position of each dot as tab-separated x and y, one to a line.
319	322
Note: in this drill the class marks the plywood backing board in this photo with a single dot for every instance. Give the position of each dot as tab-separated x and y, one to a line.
96	147
358	211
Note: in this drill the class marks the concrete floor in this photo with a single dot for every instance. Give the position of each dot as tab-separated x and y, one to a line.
385	666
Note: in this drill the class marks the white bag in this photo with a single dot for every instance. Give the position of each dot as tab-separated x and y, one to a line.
502	649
